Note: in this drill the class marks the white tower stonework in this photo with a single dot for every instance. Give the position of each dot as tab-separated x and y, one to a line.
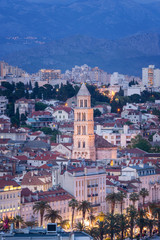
83	138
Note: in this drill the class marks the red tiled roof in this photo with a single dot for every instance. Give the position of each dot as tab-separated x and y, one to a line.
4	183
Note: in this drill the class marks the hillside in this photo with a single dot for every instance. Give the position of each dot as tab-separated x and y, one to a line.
127	55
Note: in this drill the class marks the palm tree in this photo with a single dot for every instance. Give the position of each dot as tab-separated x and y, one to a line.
91	216
112	198
31	223
101	229
150	224
64	224
40	207
17	220
84	206
93	232
134	197
144	193
52	215
112	226
141	220
123	224
156	213
121	196
132	215
73	204
79	226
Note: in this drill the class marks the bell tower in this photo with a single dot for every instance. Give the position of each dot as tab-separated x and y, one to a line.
83	138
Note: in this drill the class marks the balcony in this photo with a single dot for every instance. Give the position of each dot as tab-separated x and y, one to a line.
93	195
93	185
95	205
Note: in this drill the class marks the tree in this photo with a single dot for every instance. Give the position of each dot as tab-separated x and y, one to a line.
64	224
141	220
150	223
52	215
23	119
123	224
132	216
112	226
17	220
101	227
144	193
80	227
134	197
121	196
112	198
31	224
84	207
156	212
91	216
39	106
140	142
46	130
97	113
73	204
41	207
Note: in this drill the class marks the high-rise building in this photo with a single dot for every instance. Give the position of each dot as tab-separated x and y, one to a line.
151	77
49	74
84	138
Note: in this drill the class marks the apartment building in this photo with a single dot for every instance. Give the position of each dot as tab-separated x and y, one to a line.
49	74
3	104
151	77
10	193
25	106
85	183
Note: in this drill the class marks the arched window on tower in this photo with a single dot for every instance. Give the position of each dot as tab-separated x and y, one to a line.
81	103
78	130
83	130
79	144
78	116
83	116
85	103
84	144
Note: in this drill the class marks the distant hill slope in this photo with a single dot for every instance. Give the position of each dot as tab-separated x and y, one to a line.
90	22
127	55
63	18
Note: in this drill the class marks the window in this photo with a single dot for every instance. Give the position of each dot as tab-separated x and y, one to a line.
84	130
81	103
83	117
84	144
85	103
79	144
79	130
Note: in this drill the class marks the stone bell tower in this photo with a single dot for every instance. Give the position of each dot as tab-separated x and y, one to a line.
83	138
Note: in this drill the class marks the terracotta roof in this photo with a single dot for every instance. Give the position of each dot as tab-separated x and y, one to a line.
4	182
4	140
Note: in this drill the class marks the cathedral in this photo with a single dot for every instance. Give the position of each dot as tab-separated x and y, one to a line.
86	144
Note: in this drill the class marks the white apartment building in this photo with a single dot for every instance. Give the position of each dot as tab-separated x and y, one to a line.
10	193
86	183
3	104
151	77
119	138
116	79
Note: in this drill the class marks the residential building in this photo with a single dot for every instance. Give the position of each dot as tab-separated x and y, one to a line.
40	119
151	77
3	104
57	198
25	106
49	74
10	193
85	183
